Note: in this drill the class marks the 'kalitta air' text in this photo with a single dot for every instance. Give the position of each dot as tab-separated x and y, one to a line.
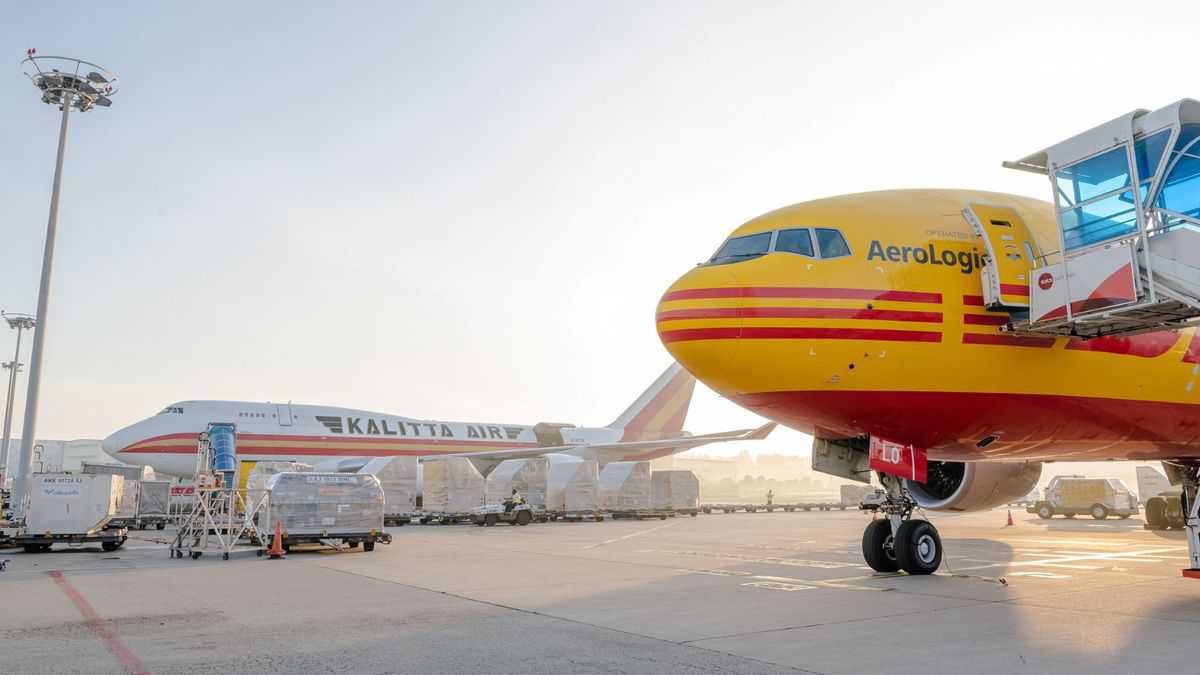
930	254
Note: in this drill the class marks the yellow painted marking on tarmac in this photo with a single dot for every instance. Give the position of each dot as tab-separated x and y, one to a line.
629	536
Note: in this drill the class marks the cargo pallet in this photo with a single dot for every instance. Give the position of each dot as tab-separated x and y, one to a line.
769	508
576	516
368	539
109	540
642	515
140	522
441	518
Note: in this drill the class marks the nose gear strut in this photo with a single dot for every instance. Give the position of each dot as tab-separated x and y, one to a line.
898	541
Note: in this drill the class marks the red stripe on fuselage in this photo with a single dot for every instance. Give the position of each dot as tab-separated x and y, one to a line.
802	292
1006	340
787	333
798	313
1029	426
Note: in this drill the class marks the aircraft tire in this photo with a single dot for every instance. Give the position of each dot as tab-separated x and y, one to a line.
876	544
1099	512
918	547
1156	514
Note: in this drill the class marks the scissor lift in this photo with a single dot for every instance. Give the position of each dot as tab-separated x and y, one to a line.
1128	259
1126	196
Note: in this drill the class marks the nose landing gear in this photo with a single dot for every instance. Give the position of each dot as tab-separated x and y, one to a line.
897	541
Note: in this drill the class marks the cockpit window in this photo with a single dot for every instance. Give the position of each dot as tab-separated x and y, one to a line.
795	241
831	243
743	248
172	410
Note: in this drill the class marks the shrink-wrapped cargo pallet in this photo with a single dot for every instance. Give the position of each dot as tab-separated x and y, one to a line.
573	486
257	479
625	487
154	498
129	499
325	503
674	490
61	503
452	485
398	478
526	476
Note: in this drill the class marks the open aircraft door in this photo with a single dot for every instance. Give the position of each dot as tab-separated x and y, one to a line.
1011	253
283	413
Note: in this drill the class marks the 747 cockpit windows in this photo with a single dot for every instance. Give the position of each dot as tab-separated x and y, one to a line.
803	241
172	410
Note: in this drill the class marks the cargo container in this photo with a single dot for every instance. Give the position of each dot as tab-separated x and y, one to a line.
452	485
625	487
327	507
398	478
572	486
154	504
677	491
526	476
72	508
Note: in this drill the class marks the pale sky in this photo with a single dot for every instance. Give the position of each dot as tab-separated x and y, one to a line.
468	210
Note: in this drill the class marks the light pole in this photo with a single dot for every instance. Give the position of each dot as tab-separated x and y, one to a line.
20	323
69	84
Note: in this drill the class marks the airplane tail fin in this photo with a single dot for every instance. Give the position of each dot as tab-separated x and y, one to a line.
660	410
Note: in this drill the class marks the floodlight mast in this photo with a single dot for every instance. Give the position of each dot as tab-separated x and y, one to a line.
19	323
61	83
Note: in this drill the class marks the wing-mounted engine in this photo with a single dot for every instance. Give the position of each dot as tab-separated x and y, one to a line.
974	486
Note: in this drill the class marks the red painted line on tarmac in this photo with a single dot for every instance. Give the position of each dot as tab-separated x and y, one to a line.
129	662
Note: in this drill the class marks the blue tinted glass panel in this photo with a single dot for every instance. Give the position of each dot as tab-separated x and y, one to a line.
743	248
1149	152
1181	189
1092	177
832	243
1108	218
794	241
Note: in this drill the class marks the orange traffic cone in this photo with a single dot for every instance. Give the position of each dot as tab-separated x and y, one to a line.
1010	521
276	550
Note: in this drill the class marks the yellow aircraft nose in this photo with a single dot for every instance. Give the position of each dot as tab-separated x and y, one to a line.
699	321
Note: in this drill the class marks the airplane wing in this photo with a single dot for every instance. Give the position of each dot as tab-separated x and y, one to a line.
678	444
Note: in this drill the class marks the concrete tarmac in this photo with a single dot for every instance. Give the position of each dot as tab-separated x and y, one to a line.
722	593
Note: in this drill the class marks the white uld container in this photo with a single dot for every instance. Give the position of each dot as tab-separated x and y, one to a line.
526	476
452	485
129	499
674	490
573	486
398	478
625	486
61	503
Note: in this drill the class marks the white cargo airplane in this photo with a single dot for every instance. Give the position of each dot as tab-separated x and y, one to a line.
342	439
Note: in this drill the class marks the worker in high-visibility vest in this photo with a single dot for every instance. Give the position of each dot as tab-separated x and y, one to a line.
770	497
513	501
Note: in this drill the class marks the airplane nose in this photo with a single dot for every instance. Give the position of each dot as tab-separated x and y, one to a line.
112	445
699	320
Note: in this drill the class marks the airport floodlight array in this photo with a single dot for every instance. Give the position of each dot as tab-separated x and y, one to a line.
19	323
70	84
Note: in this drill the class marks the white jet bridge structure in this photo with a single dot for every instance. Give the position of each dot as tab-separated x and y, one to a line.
1127	202
1126	196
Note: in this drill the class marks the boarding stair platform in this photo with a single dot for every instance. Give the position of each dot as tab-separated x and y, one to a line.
1128	259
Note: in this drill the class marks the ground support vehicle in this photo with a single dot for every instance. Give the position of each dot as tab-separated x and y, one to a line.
341	541
521	514
1071	496
576	516
444	518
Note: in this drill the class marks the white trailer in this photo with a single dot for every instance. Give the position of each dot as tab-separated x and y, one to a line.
72	509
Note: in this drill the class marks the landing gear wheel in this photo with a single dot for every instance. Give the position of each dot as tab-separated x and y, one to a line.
877	546
524	518
491	519
1156	515
918	547
1045	512
1099	512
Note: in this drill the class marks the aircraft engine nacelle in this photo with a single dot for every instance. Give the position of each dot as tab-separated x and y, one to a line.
974	486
